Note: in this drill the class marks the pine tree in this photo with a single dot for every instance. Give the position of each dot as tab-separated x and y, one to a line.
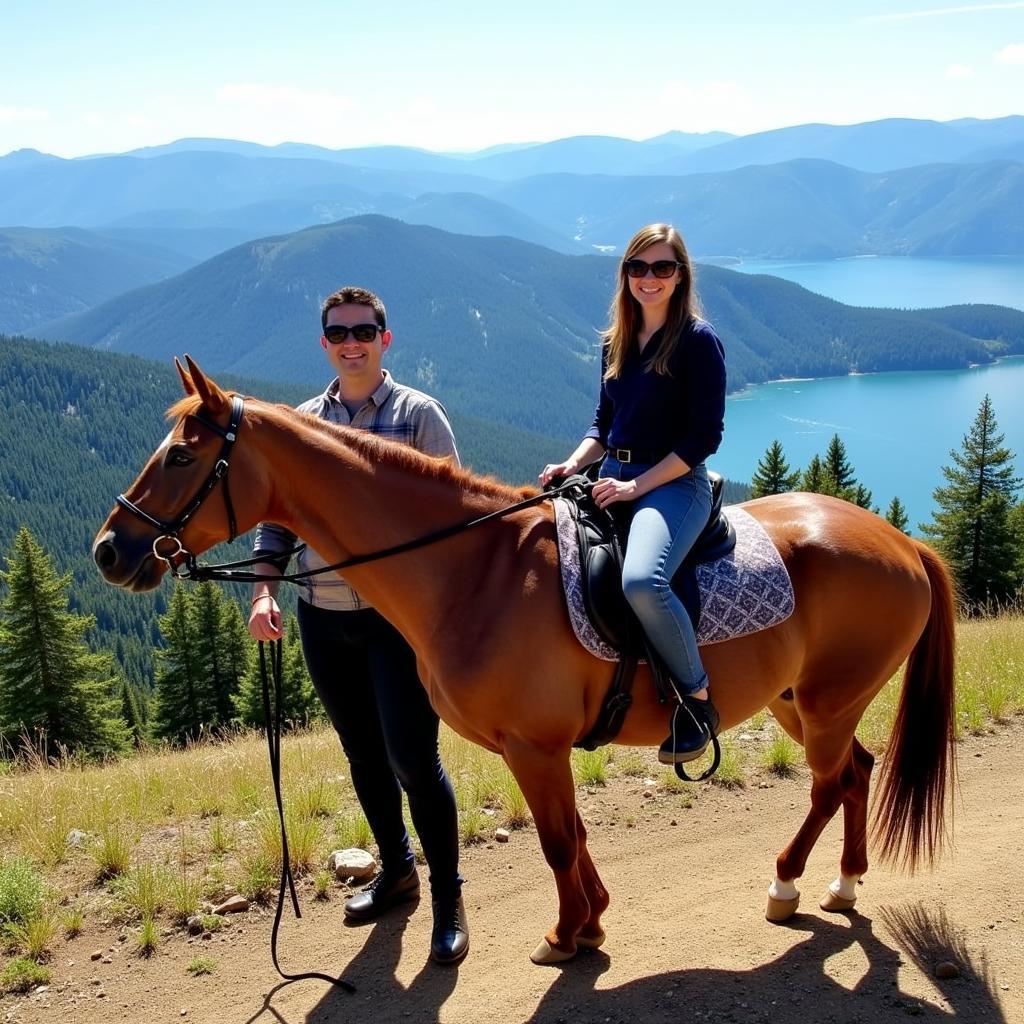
972	527
182	704
773	475
815	479
52	687
299	702
896	514
220	650
838	468
133	712
861	496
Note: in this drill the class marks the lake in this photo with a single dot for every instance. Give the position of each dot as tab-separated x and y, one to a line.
906	283
898	428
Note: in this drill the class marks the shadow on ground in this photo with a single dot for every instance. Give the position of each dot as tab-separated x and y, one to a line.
795	988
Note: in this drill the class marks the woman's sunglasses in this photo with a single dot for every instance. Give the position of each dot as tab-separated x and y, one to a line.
659	268
337	333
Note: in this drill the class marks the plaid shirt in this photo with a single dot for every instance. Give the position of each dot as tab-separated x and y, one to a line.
394	411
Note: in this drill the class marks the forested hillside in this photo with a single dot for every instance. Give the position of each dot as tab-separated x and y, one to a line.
76	429
49	273
501	329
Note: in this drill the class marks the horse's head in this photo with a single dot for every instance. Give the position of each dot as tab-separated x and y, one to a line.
173	508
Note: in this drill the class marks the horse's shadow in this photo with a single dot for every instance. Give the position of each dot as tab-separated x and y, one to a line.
794	988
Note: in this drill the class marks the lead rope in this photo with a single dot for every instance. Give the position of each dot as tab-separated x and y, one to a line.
273	727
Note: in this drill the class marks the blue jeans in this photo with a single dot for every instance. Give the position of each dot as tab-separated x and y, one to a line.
664	525
365	674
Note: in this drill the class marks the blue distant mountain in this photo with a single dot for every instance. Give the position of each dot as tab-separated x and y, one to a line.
46	274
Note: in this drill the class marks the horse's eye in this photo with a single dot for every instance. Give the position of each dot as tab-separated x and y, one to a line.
179	457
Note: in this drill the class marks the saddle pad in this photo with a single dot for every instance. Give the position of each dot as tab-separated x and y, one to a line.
746	591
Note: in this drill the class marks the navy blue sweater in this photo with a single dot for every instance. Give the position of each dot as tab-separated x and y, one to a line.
682	412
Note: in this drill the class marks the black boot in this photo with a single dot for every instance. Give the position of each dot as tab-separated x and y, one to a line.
694	722
383	893
449	940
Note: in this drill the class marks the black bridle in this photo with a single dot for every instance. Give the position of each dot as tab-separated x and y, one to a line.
170	530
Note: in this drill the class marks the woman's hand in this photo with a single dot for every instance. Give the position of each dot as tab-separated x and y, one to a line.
552	470
265	618
607	491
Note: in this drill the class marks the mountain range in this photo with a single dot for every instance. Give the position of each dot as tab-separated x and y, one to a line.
573	195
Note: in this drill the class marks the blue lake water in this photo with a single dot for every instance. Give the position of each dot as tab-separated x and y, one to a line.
905	283
898	428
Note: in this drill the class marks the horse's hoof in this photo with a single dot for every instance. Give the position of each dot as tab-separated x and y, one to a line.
591	941
836	904
545	953
781	910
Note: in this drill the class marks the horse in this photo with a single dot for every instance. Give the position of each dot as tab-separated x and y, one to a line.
485	613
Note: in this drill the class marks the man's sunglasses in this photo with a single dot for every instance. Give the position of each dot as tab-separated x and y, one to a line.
659	268
337	333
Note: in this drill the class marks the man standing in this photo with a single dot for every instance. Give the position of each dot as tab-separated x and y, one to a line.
361	667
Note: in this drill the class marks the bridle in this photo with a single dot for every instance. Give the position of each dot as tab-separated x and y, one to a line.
170	530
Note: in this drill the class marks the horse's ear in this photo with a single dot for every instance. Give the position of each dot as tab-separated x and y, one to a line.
186	380
214	399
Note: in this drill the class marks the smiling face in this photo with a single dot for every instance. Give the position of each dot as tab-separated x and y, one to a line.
357	363
653	293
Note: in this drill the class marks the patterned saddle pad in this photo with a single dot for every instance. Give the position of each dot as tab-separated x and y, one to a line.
746	591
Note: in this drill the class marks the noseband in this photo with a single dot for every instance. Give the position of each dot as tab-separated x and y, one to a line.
170	530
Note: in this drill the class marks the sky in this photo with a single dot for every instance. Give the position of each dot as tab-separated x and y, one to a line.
94	76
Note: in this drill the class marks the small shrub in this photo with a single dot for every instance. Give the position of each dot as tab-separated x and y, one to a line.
590	767
515	812
472	823
212	922
183	894
201	965
21	891
73	918
322	885
352	832
258	876
631	763
112	852
780	756
730	774
671	783
317	801
148	937
143	891
22	975
33	936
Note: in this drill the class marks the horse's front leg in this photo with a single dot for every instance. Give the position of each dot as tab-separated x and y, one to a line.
545	777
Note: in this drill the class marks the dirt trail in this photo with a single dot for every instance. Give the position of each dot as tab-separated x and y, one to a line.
687	940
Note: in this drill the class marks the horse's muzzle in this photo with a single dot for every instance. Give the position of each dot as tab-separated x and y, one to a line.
130	566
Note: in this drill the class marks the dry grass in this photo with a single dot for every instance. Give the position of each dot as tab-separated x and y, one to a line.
154	834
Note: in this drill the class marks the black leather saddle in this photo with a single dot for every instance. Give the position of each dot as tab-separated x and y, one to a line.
601	534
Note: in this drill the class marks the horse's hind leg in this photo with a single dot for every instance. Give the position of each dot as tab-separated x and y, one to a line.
830	760
842	893
591	934
546	781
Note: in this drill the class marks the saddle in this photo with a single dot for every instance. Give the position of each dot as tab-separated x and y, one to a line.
601	536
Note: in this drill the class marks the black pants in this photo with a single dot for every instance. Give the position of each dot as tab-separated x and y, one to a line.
365	674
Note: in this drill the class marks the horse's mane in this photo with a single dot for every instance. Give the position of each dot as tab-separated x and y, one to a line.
374	448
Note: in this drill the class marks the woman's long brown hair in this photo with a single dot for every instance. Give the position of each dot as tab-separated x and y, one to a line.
624	313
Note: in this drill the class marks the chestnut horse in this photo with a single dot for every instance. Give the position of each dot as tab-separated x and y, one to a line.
485	613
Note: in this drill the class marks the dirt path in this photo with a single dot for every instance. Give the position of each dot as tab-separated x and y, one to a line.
687	940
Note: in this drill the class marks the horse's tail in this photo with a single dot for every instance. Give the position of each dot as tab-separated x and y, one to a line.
920	764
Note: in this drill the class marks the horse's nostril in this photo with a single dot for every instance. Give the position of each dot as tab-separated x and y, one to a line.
105	555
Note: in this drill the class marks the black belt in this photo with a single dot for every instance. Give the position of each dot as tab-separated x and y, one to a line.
635	455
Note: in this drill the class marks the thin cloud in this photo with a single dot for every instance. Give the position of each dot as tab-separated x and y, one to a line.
959	71
938	12
1013	54
8	115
